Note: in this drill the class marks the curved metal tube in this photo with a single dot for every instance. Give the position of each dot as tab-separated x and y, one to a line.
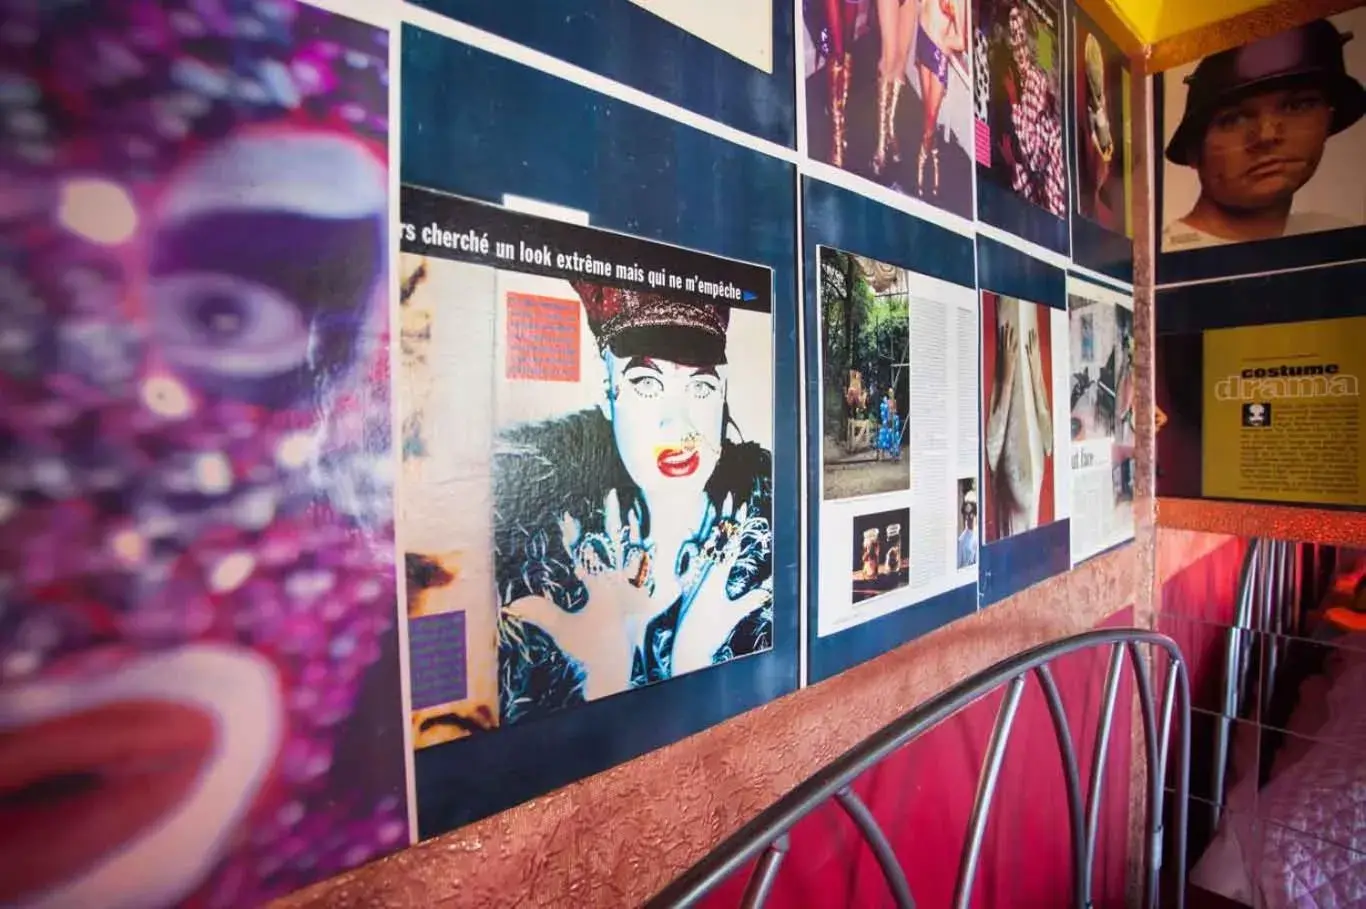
761	884
769	826
1072	776
1234	672
1153	822
1168	705
1107	715
986	790
1183	782
892	871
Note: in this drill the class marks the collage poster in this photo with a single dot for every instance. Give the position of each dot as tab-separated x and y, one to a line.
1018	62
1283	413
888	95
587	487
1101	325
1024	370
1266	140
1104	125
200	685
899	438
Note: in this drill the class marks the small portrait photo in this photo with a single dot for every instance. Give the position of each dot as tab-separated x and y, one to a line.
1017	56
1122	463
1257	414
865	337
880	559
1017	413
967	522
1265	140
888	95
1102	369
1104	144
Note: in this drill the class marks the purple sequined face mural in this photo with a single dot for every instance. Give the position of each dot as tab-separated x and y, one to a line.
199	690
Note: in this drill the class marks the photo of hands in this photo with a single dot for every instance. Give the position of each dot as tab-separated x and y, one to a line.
1017	414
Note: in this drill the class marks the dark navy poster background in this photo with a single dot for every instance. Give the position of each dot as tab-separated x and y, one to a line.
641	174
630	44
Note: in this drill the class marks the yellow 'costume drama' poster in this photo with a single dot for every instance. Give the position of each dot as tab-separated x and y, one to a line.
1283	412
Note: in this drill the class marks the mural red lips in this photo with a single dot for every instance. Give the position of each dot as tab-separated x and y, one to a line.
92	781
678	462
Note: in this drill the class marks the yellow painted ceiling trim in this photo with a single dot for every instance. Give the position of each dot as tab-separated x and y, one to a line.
1153	20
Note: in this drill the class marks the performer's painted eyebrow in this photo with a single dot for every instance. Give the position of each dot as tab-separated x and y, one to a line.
641	363
707	371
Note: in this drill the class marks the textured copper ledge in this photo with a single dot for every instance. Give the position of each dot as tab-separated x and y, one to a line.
1283	522
615	838
1250	26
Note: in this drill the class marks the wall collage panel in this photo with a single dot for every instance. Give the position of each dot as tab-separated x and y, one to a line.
1026	445
1102	381
709	436
892	382
455	400
1262	211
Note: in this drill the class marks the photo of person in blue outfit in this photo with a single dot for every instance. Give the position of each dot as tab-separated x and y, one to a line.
889	432
865	314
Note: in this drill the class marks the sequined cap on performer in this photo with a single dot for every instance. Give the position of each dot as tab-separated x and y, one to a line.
634	323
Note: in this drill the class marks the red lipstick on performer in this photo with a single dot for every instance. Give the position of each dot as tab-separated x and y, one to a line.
677	462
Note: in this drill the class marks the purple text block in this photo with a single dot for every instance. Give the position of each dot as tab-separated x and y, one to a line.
436	659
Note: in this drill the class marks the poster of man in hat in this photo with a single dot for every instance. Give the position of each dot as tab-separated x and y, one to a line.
587	440
1264	141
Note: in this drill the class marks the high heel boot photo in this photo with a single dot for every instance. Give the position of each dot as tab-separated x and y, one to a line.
840	72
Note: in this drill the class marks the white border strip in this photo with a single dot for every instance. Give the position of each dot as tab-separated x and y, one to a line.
509	50
1096	277
396	429
1079	286
382	15
799	77
1260	274
803	492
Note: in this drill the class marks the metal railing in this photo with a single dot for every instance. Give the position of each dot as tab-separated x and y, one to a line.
766	837
1278	584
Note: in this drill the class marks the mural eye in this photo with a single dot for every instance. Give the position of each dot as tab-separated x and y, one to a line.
647	386
226	325
702	388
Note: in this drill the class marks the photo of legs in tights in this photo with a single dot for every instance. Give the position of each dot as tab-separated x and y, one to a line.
879	70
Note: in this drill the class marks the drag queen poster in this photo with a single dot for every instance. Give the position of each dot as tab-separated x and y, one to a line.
199	669
595	412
